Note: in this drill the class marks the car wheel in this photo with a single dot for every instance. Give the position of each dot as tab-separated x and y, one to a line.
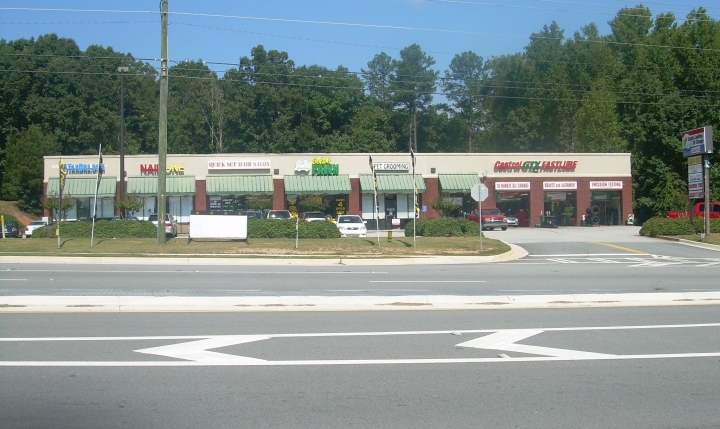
504	228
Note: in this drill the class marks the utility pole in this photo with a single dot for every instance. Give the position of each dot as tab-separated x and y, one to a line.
162	125
122	71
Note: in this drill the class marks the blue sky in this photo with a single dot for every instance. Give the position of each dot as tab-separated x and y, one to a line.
323	32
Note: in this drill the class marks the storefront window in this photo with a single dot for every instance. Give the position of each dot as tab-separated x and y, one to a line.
515	204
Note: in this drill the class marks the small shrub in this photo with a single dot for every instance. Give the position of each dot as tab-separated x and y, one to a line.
285	228
682	226
124	228
443	227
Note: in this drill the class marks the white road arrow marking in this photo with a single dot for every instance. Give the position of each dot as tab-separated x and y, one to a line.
505	340
197	351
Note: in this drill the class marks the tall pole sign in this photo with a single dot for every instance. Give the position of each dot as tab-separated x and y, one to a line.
697	147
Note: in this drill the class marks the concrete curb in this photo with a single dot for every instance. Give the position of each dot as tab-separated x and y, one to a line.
121	304
701	245
515	252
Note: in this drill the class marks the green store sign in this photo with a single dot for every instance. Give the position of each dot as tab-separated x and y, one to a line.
325	169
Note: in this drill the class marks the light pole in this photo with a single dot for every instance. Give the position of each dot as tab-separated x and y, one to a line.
122	71
482	181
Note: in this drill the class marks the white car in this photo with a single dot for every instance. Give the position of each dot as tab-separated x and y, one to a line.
33	226
351	226
170	224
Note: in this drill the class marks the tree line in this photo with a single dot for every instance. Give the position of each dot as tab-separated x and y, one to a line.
633	90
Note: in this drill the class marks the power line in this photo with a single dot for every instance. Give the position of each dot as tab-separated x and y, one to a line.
78	22
299	85
349	24
489	82
584	12
299	38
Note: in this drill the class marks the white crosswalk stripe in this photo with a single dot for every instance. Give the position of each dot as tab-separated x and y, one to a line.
632	261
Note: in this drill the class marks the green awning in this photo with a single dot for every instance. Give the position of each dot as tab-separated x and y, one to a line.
148	185
458	182
321	185
391	183
239	184
82	187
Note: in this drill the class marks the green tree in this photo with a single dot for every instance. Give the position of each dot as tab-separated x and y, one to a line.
413	85
23	179
464	86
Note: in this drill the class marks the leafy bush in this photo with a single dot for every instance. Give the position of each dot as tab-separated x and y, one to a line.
124	228
443	227
682	226
285	228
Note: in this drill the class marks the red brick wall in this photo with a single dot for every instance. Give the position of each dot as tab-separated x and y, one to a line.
201	199
279	199
432	191
354	198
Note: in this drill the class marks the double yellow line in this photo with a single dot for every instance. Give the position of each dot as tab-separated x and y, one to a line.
615	246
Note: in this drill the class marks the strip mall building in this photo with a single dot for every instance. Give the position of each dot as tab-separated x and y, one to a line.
525	185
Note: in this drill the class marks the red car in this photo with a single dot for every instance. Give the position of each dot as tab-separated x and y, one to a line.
699	211
491	218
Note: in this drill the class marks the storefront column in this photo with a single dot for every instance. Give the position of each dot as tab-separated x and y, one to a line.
627	200
583	198
537	202
354	198
200	195
279	198
432	192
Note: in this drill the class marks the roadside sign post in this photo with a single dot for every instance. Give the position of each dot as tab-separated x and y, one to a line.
697	147
479	193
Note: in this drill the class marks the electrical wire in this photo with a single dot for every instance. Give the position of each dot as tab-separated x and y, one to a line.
348	24
299	85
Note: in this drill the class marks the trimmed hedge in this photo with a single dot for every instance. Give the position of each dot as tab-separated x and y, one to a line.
124	228
442	227
285	228
682	226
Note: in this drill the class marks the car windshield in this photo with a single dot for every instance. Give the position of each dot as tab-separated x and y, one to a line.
350	219
280	215
37	222
491	211
153	218
314	215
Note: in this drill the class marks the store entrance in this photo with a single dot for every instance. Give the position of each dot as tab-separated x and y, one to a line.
605	209
515	204
390	209
562	206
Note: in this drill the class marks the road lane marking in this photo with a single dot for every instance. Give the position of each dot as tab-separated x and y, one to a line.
196	352
580	255
615	246
346	362
427	281
505	340
13	280
191	271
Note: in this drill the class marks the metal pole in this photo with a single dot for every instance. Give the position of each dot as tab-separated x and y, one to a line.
162	120
122	71
415	191
706	168
480	222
